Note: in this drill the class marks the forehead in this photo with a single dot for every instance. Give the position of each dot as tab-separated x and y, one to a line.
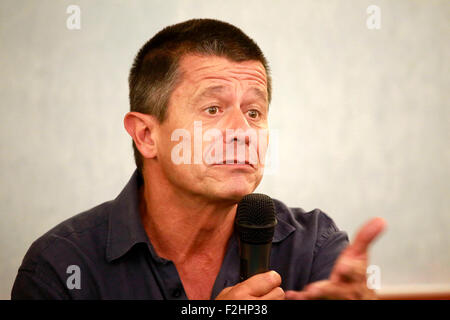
202	70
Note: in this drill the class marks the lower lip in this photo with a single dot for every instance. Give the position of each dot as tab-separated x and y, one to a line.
235	166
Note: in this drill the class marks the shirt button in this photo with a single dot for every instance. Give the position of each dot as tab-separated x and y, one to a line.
176	293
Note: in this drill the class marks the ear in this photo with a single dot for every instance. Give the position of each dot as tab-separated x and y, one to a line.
143	130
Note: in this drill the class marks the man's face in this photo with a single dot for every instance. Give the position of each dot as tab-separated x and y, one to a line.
216	94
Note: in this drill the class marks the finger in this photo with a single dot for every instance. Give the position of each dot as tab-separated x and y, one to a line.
329	290
310	291
276	294
261	284
339	291
224	292
365	236
349	270
294	295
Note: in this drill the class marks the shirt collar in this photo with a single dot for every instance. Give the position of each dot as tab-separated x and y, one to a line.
283	228
126	229
125	226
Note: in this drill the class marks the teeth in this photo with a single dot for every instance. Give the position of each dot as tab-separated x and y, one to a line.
234	162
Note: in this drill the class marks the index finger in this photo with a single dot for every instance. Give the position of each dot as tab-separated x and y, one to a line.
366	235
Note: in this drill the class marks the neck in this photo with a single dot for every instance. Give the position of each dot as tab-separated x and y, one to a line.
182	226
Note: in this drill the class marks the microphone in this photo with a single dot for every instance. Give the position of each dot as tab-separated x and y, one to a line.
255	223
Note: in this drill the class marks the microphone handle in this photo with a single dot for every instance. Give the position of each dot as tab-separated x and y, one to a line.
255	258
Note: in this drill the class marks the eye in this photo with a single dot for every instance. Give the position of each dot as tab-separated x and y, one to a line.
212	110
253	113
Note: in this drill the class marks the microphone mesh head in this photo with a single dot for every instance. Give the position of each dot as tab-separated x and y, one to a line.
255	219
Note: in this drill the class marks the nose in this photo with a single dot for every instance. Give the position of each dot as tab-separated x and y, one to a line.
236	120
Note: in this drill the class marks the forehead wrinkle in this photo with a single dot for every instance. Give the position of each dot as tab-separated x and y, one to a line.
259	85
196	70
235	69
254	69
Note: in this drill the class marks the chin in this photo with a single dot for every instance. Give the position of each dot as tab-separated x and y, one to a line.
235	189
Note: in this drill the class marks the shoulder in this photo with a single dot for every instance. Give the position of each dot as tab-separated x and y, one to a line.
316	225
302	219
77	234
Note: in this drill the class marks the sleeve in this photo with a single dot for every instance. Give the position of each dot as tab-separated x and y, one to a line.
328	248
29	286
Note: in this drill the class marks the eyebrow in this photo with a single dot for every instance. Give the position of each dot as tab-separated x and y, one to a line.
210	91
259	93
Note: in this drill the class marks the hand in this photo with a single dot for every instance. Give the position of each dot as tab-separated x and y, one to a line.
263	286
348	277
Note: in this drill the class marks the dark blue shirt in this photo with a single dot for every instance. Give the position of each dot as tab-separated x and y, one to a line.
104	253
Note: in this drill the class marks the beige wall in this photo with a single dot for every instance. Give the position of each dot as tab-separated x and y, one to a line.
362	116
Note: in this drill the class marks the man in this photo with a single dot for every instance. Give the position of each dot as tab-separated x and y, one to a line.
170	234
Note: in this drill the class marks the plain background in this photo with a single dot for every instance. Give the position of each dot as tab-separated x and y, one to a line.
362	116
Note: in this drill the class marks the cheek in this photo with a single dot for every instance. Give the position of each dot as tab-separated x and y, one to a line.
176	158
263	145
